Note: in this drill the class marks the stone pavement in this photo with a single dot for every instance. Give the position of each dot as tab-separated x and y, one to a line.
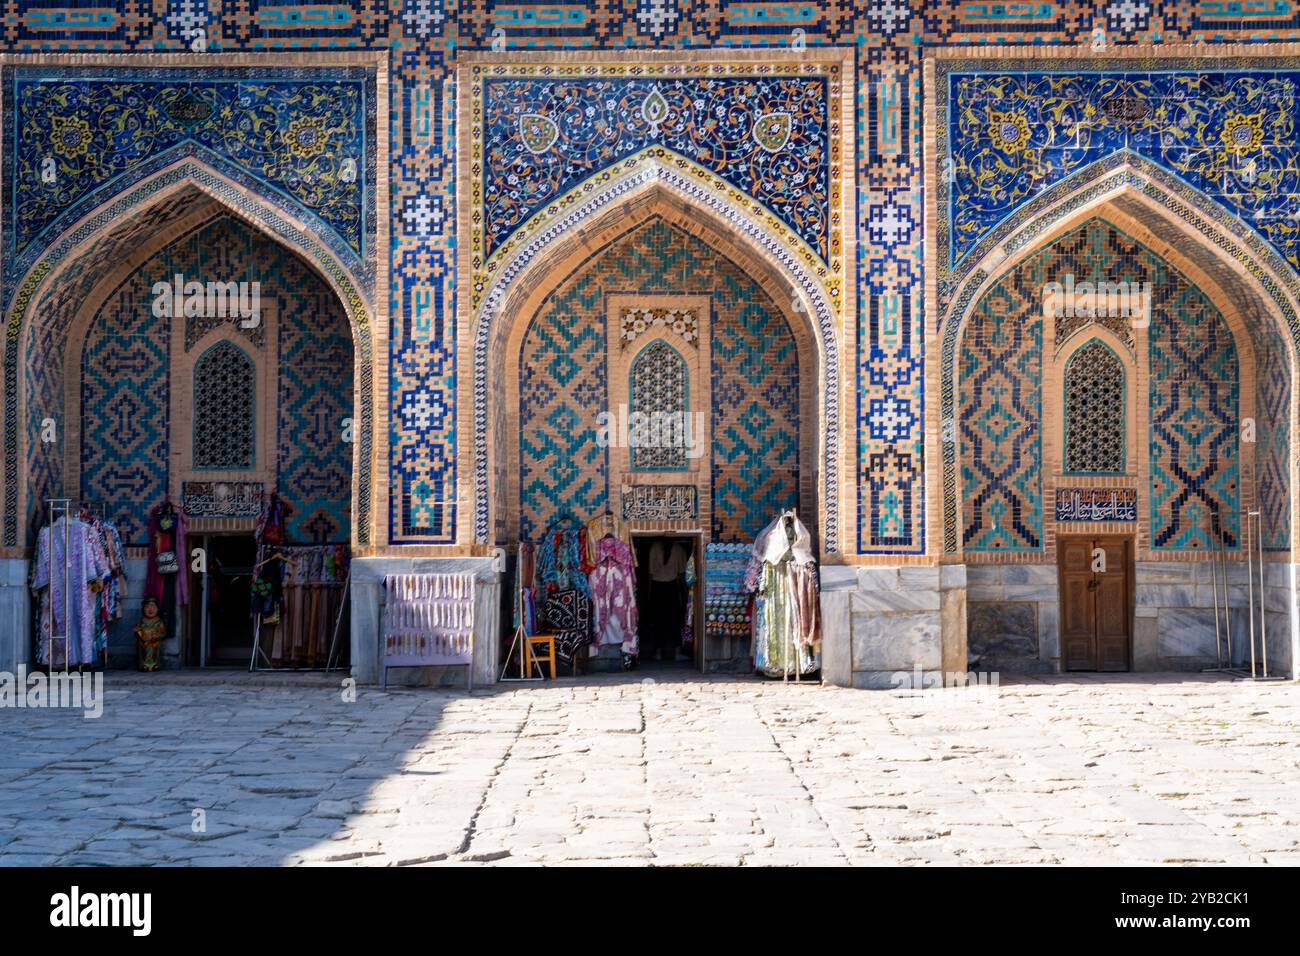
663	769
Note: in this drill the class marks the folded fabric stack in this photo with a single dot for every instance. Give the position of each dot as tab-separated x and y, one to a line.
726	603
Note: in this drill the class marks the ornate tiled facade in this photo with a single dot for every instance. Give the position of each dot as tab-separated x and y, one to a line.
1195	420
507	129
1001	416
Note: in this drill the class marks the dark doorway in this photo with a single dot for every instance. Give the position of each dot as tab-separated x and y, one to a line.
1096	576
223	622
667	613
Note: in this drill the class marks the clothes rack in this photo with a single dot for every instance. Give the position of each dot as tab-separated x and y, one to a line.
66	510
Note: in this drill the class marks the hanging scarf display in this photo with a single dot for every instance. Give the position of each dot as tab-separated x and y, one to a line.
428	619
568	614
560	558
311	584
726	601
267	585
688	624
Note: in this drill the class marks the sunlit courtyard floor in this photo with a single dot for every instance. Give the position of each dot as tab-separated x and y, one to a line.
656	768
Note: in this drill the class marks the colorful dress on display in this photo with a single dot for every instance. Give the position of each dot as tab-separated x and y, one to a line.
603	526
116	554
88	570
560	558
783	574
613	594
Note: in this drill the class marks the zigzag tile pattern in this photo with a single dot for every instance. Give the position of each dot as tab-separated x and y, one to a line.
1273	442
126	370
125	395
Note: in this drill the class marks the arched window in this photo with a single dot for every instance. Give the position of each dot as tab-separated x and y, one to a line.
225	399
659	393
1094	411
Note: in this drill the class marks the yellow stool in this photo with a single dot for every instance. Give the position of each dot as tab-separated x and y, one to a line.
546	642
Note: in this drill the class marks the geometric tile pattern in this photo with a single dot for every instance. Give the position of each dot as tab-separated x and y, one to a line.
562	388
636	322
125	394
1094	411
678	147
41	361
1195	423
126	373
754	419
1193	400
1272	441
424	38
314	465
1000	415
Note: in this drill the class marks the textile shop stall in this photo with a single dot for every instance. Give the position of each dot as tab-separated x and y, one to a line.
596	599
298	598
577	586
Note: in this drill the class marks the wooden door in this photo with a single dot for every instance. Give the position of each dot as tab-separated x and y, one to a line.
1078	630
1096	579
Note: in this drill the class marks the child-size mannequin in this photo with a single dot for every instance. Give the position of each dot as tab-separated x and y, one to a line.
149	635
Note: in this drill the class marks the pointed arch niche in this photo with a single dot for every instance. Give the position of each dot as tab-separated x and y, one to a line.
1239	276
801	304
60	295
656	290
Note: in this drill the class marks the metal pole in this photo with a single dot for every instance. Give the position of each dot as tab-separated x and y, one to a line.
1250	591
1263	590
67	581
1214	587
203	607
1227	594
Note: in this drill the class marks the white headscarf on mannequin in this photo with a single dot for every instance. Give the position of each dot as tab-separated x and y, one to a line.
773	543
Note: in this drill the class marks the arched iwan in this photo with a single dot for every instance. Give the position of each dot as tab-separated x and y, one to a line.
526	266
119	224
1249	270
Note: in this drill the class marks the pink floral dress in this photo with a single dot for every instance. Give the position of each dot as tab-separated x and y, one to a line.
613	594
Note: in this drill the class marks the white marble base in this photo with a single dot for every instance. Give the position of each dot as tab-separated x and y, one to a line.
367	599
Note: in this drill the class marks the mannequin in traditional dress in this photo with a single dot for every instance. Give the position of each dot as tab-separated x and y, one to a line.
782	573
149	635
